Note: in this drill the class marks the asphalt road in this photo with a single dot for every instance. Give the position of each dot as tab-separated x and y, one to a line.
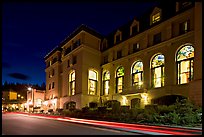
14	124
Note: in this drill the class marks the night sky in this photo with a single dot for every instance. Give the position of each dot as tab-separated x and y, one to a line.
31	30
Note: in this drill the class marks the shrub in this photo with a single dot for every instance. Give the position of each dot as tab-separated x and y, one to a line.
85	109
124	109
93	104
102	109
50	110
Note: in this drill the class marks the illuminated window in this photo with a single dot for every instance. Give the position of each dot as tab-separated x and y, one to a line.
184	27
157	69
156	17
136	47
106	81
137	74
72	83
184	61
119	79
92	82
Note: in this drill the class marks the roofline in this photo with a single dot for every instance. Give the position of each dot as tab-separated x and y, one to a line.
73	34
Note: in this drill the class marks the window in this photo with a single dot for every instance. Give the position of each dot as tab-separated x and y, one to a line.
184	27
137	74
119	54
53	72
184	4
117	38
74	60
54	60
72	83
157	69
156	17
185	61
105	59
92	82
67	51
136	47
53	85
134	29
106	82
119	79
68	63
49	86
157	38
76	44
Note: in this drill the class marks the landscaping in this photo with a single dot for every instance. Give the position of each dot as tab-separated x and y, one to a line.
181	113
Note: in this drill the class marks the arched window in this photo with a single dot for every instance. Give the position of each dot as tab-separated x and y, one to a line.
106	83
119	79
137	74
92	82
184	61
157	70
72	83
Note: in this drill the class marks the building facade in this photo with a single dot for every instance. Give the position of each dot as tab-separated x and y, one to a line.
146	61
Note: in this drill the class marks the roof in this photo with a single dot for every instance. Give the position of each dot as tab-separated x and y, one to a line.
73	34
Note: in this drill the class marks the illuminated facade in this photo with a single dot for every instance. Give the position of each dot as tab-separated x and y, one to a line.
136	64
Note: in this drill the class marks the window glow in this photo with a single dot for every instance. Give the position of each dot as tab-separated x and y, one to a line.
119	79
92	75
92	82
72	83
106	80
185	57
158	71
137	74
156	17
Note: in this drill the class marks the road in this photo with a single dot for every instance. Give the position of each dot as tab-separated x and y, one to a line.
14	124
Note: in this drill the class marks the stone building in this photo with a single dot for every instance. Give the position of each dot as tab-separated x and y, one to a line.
149	60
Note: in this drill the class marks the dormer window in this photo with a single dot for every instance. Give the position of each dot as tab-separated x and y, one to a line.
182	5
104	45
134	28
118	37
155	16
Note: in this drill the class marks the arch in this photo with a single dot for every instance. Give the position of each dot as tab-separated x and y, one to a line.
185	62
157	70
185	52
135	103
119	79
92	81
137	74
106	82
69	105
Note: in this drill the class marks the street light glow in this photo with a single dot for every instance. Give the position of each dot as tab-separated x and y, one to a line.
29	88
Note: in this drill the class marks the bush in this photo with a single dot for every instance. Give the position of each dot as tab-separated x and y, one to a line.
93	104
124	109
85	109
50	110
102	110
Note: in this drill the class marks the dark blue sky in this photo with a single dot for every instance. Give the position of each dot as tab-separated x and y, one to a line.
31	30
